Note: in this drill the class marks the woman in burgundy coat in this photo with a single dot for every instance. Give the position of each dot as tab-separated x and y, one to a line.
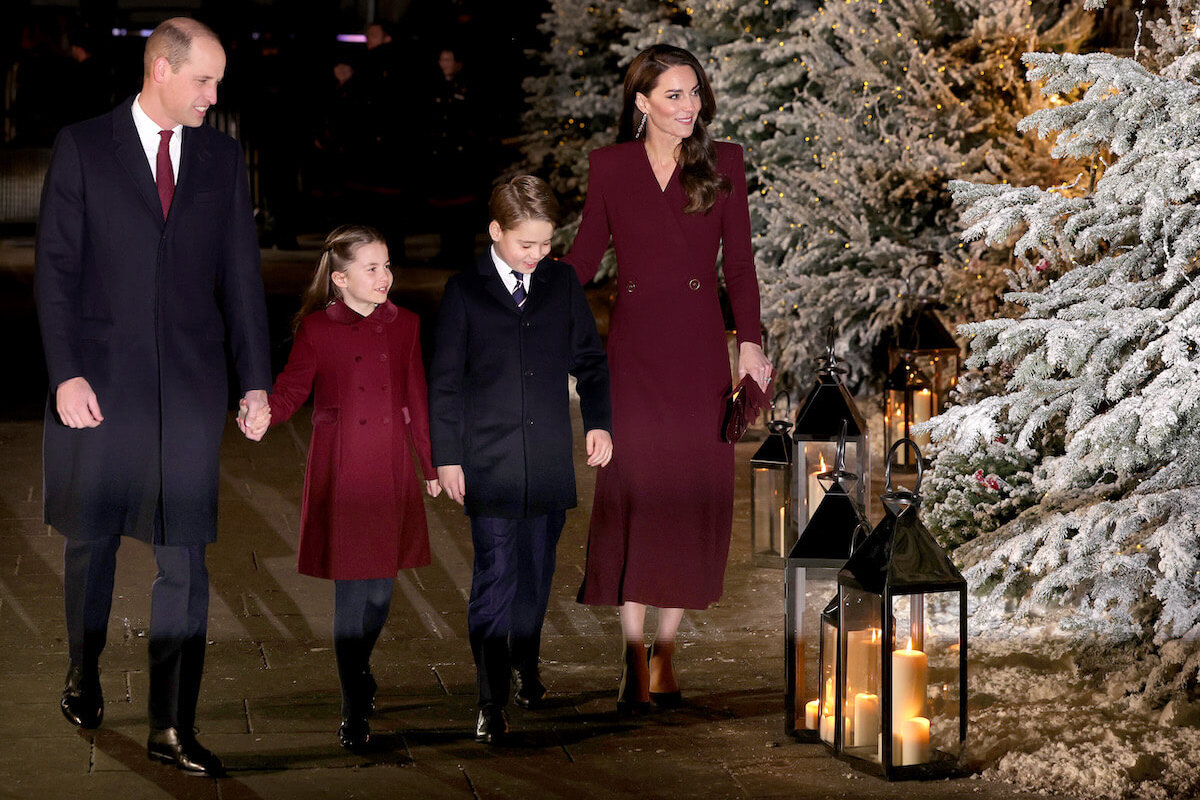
669	198
362	516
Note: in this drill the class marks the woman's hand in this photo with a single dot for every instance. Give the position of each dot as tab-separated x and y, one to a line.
752	362
433	488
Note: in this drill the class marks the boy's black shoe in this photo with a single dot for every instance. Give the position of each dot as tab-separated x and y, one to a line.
82	701
355	733
529	690
492	725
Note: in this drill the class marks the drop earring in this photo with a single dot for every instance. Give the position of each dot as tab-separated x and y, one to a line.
641	126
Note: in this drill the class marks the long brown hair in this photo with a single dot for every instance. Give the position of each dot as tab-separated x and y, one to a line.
697	153
339	250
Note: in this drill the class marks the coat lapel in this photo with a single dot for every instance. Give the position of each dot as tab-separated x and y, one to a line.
128	150
492	283
194	159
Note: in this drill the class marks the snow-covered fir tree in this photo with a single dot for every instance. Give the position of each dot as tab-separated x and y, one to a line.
891	99
1102	363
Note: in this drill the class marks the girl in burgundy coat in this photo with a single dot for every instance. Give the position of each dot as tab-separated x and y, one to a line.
362	516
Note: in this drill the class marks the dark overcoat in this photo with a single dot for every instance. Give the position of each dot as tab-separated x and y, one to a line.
499	401
144	309
362	515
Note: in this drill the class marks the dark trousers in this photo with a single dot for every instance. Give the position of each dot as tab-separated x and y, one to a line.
360	608
178	621
510	589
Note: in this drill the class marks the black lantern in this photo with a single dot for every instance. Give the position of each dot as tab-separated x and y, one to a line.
810	580
923	365
772	525
818	429
908	401
902	638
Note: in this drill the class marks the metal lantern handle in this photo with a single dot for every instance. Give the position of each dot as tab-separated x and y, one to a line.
887	473
839	460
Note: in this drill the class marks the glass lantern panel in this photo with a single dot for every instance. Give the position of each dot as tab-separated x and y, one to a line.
861	644
815	458
809	593
894	425
825	707
926	678
769	527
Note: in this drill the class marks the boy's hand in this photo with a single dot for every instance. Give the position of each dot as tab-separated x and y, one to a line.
453	480
599	447
433	488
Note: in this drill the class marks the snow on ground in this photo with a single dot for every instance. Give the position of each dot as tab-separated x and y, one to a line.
1042	722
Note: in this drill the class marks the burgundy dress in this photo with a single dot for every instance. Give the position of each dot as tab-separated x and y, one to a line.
663	511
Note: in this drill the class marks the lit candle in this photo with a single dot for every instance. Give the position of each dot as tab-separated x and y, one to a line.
782	530
811	709
866	718
914	734
815	490
827	728
909	670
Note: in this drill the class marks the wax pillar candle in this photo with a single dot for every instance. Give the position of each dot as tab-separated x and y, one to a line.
909	671
815	490
914	734
811	709
866	718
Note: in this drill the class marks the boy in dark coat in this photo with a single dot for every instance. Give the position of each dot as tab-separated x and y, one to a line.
509	333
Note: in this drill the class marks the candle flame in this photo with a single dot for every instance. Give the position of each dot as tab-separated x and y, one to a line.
822	468
909	645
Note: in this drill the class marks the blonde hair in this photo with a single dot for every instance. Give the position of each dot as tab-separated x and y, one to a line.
523	198
339	251
172	40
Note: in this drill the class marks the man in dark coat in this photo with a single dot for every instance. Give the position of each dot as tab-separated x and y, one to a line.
509	333
147	265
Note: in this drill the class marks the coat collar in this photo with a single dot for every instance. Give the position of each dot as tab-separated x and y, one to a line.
486	270
341	313
128	147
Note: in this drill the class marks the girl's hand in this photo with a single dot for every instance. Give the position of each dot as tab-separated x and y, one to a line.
453	480
752	362
433	488
599	447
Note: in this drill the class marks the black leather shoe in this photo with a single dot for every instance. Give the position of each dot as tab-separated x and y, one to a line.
355	733
492	725
82	701
529	690
188	755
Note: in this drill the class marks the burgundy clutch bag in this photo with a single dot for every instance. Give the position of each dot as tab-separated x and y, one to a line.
741	409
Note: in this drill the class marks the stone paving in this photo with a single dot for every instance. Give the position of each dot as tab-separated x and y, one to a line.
269	704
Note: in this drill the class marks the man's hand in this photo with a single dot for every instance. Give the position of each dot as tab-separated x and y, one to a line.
77	404
254	415
453	481
599	447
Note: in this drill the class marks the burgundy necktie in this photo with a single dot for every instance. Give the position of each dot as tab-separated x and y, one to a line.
164	174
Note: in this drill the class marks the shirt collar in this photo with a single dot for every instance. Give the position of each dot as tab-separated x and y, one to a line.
147	128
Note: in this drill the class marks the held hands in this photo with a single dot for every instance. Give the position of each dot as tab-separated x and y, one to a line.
77	404
433	488
599	447
254	415
453	480
752	362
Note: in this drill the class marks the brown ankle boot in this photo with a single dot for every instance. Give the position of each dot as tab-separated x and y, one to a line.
664	688
633	696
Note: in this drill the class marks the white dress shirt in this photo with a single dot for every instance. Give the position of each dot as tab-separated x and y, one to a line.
147	130
506	274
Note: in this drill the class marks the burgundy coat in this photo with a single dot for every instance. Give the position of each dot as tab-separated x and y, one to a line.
362	515
663	511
